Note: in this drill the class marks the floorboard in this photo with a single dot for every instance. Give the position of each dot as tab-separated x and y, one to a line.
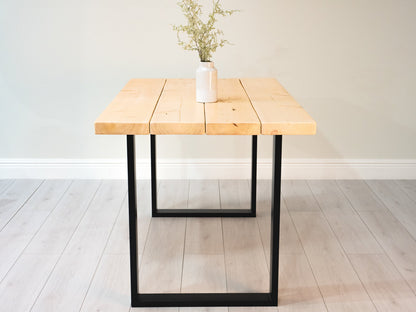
252	309
235	194
203	309
204	194
408	186
14	197
330	197
118	243
245	261
110	289
60	225
385	285
204	264
173	194
154	310
298	197
4	184
68	284
360	196
336	278
396	241
352	233
345	245
161	265
22	285
397	201
298	290
17	234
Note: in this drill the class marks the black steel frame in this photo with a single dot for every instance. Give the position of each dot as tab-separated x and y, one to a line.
203	213
205	299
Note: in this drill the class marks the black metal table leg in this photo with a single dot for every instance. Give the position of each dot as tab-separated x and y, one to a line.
206	299
203	213
253	175
275	217
153	177
131	186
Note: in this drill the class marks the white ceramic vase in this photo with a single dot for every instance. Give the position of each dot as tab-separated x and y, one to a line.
206	82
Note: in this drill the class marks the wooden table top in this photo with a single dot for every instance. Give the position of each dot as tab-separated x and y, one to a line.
249	106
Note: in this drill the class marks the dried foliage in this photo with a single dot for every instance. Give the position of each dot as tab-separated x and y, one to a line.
202	37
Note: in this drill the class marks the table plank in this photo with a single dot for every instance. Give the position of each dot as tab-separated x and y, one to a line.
279	112
248	107
232	113
131	110
177	111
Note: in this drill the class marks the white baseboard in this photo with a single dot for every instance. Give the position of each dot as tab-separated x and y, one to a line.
208	169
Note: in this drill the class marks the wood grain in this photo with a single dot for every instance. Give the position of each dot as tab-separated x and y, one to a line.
232	113
388	290
395	240
131	110
163	256
350	230
4	184
28	276
397	201
409	187
14	197
245	260
173	194
337	280
204	265
58	229
110	289
289	240
247	107
279	113
201	309
177	111
247	267
298	291
81	256
329	196
17	234
235	194
154	309
346	282
252	309
315	233
95	227
204	194
298	196
118	242
353	234
361	196
68	284
263	215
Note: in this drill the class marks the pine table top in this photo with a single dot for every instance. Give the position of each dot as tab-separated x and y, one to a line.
249	106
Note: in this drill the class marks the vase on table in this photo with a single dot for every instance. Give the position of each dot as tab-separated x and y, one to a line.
206	82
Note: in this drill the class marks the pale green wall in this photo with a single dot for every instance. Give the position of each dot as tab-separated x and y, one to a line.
350	63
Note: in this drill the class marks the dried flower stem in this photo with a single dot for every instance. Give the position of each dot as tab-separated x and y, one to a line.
202	37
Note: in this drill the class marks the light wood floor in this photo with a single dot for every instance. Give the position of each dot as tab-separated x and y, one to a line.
345	245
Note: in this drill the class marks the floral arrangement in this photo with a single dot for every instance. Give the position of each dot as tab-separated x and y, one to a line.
202	37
